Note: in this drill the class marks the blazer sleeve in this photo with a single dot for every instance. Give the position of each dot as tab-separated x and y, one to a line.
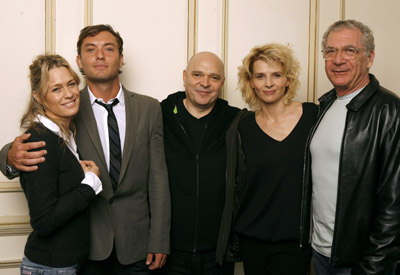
49	209
158	190
3	162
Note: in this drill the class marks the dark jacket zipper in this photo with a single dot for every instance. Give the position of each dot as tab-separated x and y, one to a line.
197	158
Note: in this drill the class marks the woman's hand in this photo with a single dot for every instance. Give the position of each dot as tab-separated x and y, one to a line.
90	166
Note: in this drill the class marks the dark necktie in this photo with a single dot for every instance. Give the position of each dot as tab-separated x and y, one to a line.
115	143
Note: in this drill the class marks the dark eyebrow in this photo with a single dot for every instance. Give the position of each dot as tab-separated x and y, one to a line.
89	45
345	46
105	44
110	44
201	72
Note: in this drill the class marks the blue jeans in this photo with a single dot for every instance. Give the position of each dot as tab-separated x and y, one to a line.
31	268
322	267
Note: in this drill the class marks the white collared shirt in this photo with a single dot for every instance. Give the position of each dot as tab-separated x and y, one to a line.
49	124
101	116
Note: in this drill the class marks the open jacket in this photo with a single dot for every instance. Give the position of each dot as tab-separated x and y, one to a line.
228	243
196	177
367	223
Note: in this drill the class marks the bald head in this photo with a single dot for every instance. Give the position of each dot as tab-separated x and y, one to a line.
203	80
207	58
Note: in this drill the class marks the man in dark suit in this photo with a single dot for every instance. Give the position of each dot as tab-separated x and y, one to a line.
130	219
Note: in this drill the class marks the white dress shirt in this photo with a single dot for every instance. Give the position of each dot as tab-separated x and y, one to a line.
101	116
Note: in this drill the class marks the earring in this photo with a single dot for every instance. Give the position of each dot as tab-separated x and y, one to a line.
43	108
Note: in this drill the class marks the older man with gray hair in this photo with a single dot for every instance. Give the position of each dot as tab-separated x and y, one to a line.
352	181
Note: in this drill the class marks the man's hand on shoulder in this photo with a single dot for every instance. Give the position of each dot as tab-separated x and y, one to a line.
19	156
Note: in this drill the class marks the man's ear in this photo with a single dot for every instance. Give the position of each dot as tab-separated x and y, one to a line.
371	59
184	78
78	61
121	61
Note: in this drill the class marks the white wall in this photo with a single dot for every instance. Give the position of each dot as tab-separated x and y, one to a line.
154	34
23	36
256	22
159	37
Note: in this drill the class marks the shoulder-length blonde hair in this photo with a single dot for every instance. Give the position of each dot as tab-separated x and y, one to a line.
268	52
40	81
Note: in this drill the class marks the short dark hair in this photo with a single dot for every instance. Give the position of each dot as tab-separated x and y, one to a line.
96	29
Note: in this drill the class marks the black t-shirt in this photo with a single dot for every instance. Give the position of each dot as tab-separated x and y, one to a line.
270	196
195	126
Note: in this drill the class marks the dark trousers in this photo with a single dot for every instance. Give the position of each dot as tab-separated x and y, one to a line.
283	258
111	266
322	267
187	263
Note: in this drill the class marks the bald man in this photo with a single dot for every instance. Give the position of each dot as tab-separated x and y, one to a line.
195	124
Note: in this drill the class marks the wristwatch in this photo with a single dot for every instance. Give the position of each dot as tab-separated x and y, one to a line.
11	170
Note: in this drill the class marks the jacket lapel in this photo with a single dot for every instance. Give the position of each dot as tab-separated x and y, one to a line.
87	120
132	114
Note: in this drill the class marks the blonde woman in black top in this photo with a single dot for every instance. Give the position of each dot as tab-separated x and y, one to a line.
270	157
59	191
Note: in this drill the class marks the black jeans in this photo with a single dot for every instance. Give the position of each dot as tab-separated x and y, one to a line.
187	263
281	258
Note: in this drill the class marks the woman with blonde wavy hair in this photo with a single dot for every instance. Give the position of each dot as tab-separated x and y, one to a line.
268	146
59	191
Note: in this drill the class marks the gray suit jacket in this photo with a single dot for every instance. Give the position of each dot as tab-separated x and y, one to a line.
137	215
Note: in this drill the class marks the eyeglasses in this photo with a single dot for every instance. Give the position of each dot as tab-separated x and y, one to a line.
347	52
